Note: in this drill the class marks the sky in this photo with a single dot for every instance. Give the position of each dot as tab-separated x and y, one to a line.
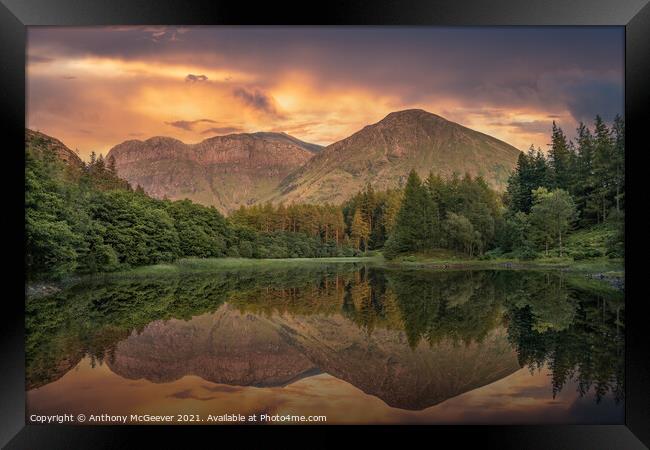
94	88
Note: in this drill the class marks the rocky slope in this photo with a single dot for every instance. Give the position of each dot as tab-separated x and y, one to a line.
223	171
382	154
43	142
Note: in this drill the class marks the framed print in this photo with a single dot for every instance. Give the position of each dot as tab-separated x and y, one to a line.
387	219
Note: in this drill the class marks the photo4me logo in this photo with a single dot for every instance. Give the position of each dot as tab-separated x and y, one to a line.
291	418
266	418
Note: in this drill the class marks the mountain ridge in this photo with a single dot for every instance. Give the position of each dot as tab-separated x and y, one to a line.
228	171
383	153
223	171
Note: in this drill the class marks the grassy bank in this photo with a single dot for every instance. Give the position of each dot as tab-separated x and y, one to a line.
595	270
434	260
195	265
613	267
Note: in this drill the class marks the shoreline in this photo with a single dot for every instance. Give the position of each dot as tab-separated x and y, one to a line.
611	272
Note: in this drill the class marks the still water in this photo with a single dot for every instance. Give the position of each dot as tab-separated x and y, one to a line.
356	344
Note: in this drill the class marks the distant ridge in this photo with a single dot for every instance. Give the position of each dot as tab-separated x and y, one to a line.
222	171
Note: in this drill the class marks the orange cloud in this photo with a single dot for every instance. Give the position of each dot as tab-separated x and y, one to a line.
96	87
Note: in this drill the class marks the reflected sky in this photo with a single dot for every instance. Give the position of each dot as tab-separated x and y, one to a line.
524	397
358	344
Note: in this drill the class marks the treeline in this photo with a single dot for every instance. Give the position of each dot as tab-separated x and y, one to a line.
576	185
322	221
370	216
459	214
362	223
88	220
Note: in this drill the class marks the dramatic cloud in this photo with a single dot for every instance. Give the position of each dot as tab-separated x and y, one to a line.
320	84
222	130
191	78
534	126
256	99
188	124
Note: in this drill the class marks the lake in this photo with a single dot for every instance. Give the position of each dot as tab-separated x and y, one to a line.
355	343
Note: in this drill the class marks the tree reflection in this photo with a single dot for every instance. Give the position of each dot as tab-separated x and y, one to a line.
584	342
573	327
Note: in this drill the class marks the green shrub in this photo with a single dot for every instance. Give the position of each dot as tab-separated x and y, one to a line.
492	254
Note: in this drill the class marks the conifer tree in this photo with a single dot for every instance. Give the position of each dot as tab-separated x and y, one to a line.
412	230
560	158
359	231
602	166
584	187
618	161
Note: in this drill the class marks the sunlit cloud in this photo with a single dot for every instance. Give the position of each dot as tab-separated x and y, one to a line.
222	130
318	84
188	124
191	78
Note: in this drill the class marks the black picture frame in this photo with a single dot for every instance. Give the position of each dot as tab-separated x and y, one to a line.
16	15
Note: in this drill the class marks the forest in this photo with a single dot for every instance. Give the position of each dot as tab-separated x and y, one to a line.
573	187
88	220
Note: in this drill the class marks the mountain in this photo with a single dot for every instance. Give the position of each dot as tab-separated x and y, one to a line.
383	153
43	142
284	137
244	349
247	168
223	171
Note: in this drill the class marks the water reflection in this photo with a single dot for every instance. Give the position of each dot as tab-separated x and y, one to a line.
413	339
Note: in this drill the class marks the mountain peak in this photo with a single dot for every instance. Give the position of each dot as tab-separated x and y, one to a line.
414	113
383	154
157	140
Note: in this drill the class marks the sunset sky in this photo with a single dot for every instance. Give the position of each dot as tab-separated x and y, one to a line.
95	87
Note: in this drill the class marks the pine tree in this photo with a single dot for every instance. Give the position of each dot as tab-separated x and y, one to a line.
412	230
111	165
532	171
585	185
618	160
437	191
359	231
560	159
603	168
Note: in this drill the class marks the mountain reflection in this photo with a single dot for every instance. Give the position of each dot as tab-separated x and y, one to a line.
412	338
